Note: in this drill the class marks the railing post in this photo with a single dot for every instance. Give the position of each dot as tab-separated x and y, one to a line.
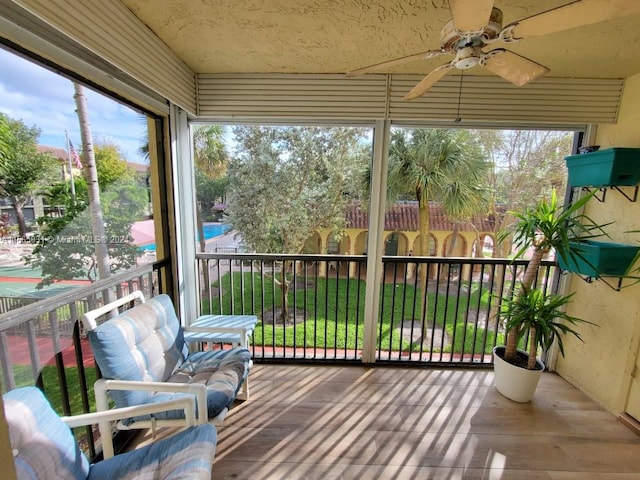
375	241
5	361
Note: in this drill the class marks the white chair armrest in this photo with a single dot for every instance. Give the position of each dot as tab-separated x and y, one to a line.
89	318
102	418
199	390
188	404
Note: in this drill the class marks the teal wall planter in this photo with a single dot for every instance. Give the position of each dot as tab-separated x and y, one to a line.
599	258
613	166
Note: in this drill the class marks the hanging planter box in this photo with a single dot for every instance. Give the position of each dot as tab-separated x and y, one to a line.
595	259
613	166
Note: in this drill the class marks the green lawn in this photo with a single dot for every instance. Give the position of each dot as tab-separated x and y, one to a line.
335	312
53	389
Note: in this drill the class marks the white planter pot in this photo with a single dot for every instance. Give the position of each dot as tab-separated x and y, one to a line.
515	383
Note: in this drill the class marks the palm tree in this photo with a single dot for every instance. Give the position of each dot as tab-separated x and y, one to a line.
440	165
91	176
210	162
210	154
210	165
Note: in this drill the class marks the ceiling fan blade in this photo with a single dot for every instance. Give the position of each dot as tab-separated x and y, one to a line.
576	14
427	82
397	61
513	67
470	15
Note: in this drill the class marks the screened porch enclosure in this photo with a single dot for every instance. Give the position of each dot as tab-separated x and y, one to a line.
120	48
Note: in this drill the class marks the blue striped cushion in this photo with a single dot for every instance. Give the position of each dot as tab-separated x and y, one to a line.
222	371
43	445
186	455
144	343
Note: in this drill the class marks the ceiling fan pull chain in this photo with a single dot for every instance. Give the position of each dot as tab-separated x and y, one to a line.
458	119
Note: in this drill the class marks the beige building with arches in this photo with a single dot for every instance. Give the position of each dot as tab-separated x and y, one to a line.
473	238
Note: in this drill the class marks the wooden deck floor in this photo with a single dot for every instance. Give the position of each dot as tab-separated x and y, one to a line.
353	423
358	423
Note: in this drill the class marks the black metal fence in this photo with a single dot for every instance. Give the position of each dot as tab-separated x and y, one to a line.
443	311
321	318
433	310
311	308
43	343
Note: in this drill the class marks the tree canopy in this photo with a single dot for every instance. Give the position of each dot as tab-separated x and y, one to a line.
66	248
528	166
110	165
4	142
27	172
210	153
287	182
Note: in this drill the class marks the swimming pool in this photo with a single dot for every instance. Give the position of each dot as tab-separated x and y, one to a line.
211	230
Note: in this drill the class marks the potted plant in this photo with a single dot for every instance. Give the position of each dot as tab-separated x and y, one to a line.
543	315
538	230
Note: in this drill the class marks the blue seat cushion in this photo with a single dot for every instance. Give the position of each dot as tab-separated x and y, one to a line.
42	443
222	371
186	455
144	343
44	447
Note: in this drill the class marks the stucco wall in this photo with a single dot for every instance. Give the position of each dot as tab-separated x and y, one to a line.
601	366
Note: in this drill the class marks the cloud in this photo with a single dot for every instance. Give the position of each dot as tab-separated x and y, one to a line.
44	99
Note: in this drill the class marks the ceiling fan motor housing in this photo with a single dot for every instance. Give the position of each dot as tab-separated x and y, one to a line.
452	40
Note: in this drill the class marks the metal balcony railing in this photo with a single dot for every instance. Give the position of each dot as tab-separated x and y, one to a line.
432	311
453	323
43	344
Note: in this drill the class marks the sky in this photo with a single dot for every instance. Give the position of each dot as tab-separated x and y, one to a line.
44	99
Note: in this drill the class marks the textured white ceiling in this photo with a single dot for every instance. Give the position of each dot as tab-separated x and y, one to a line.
336	36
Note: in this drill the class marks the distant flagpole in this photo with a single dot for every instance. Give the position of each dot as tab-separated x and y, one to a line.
73	186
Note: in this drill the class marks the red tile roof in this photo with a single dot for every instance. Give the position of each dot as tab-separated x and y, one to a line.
138	167
403	216
60	153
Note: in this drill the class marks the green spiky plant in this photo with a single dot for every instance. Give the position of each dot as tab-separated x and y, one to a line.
549	225
543	316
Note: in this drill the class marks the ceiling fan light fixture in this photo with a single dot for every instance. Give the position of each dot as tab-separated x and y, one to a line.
467	57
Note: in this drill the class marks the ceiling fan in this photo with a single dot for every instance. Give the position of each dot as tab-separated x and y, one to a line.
476	24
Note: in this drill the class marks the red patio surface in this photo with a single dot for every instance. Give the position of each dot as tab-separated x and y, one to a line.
19	351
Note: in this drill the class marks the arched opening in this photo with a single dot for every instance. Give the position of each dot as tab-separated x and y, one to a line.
312	244
395	244
483	246
360	243
454	246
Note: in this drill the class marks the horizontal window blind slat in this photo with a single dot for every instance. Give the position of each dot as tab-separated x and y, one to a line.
492	99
